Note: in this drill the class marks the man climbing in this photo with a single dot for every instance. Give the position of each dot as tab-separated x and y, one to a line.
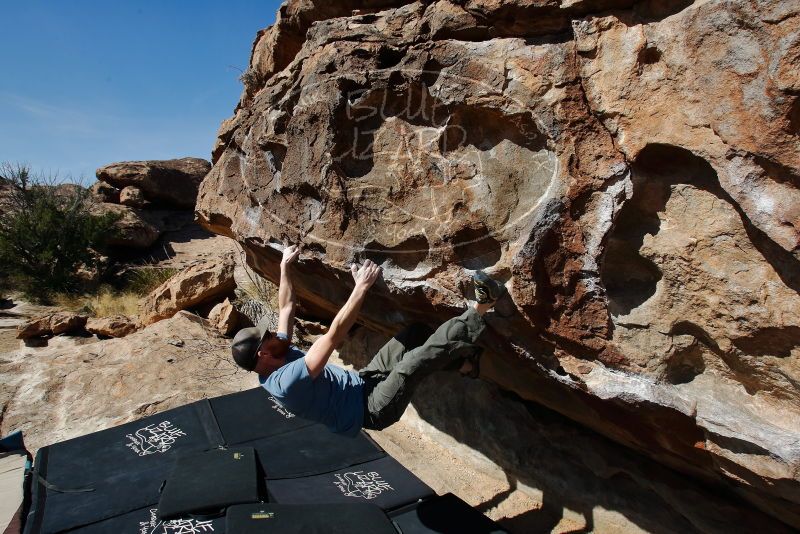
376	397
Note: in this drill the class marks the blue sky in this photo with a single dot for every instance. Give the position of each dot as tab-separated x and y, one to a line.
91	82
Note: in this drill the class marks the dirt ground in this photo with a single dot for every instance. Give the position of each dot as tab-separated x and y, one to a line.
446	472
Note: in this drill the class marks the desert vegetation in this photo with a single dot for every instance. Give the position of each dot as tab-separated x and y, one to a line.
108	300
54	247
49	240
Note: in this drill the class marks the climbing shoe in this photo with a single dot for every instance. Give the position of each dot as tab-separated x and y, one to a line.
486	289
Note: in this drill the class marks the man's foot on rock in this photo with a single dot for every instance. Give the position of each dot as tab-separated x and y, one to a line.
487	290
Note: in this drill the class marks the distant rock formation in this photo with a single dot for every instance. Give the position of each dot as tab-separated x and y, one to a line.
171	183
631	170
151	196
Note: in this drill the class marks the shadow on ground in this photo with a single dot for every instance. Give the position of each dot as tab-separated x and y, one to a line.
585	482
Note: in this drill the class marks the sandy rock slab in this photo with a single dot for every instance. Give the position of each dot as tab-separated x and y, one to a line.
66	390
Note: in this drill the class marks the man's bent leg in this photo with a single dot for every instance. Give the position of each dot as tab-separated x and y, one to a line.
410	337
453	340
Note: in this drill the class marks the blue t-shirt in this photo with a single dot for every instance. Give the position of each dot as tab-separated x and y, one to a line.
335	398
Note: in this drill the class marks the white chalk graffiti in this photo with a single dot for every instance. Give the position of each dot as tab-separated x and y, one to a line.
175	526
280	409
187	526
154	438
360	484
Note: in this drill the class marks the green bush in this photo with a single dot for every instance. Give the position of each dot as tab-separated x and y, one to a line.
47	232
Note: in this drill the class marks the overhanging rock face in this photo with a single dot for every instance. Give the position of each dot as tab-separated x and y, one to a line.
631	170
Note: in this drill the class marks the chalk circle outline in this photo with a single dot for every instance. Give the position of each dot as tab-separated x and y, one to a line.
553	181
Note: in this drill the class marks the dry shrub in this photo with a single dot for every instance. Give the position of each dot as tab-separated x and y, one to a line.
107	300
143	280
257	297
252	80
107	303
70	301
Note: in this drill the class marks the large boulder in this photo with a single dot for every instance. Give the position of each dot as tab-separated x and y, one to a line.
140	228
607	489
132	230
171	183
203	282
629	170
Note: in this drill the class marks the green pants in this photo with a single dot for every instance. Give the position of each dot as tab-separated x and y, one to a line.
411	355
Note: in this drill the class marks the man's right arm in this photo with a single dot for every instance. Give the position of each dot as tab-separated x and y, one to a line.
317	356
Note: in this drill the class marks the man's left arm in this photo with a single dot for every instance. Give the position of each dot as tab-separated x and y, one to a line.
286	291
319	352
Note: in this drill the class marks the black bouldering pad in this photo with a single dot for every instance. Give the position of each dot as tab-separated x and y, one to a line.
146	521
148	443
208	482
446	514
253	414
312	450
110	481
308	519
383	482
114	471
56	511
